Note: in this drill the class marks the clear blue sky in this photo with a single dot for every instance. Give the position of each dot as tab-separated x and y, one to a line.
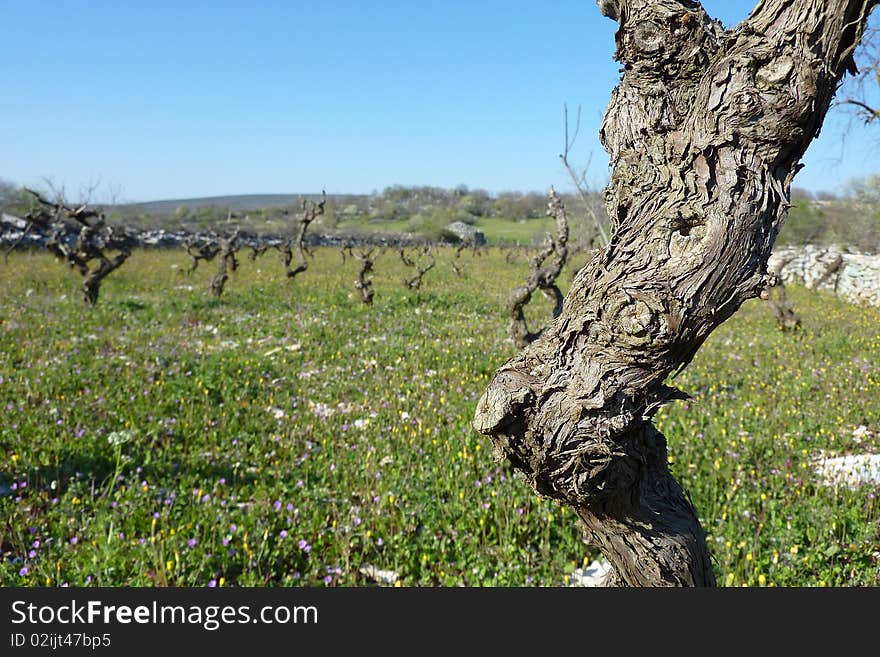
158	100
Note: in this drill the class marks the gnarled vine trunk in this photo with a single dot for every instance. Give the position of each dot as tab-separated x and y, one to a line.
705	132
94	238
228	247
541	276
364	282
310	212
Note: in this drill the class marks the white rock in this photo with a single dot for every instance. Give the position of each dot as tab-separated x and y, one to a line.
593	575
377	575
853	470
854	277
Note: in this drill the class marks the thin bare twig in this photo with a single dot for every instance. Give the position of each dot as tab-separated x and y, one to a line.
579	181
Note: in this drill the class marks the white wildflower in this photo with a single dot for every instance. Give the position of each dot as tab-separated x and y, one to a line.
860	432
117	438
276	412
377	575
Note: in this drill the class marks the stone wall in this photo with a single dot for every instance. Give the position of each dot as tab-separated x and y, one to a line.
855	277
13	231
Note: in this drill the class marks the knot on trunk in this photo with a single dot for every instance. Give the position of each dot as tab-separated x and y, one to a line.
593	462
508	395
585	459
648	37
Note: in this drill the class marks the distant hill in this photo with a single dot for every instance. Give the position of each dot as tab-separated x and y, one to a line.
237	202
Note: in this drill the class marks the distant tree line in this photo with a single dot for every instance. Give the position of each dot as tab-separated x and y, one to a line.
426	210
851	219
423	210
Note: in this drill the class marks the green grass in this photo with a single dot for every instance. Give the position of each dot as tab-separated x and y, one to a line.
496	230
401	226
515	232
288	435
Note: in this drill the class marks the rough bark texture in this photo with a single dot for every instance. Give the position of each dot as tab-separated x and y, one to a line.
422	263
541	276
227	263
364	283
94	277
199	249
310	212
93	239
704	132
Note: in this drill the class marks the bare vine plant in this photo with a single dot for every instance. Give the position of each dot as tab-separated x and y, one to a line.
705	133
87	255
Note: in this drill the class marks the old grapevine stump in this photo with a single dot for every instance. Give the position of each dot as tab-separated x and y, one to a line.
704	132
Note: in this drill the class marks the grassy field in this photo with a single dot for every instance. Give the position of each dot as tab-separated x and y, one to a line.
496	230
288	435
